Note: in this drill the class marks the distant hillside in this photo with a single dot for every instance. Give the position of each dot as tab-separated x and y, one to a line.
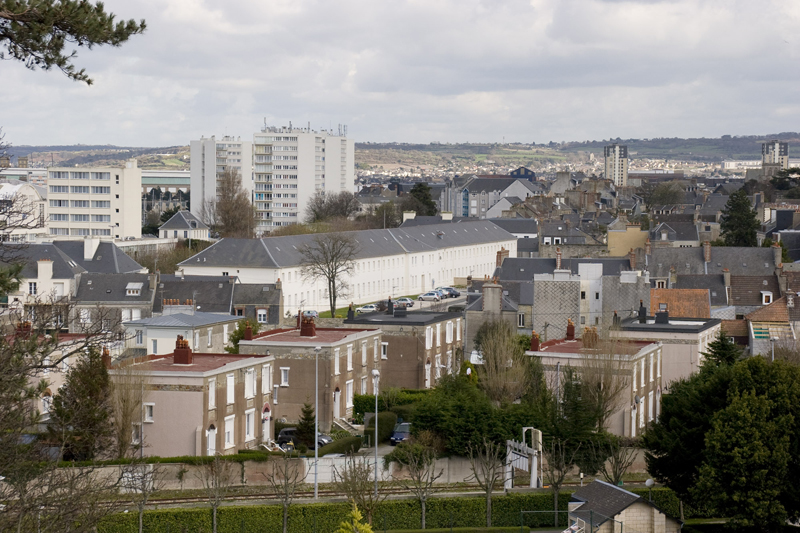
171	157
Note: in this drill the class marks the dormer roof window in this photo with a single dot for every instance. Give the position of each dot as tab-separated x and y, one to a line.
133	289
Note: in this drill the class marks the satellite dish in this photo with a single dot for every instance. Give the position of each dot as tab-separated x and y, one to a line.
649	483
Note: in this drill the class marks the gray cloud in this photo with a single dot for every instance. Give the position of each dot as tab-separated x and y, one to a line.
420	71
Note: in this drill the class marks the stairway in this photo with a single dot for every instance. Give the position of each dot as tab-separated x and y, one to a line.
341	423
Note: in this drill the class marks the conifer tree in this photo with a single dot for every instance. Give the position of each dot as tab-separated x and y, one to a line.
739	223
354	523
722	351
305	428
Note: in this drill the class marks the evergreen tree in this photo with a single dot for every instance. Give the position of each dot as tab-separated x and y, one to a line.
305	428
354	523
722	351
81	412
419	200
238	334
739	223
36	32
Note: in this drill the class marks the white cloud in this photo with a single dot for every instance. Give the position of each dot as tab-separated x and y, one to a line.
423	70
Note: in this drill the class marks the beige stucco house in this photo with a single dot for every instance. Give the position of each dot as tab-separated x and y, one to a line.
600	507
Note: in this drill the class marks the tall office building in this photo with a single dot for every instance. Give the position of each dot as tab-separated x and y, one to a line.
209	160
775	152
617	164
95	201
282	168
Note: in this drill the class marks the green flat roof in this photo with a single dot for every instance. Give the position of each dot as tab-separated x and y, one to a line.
165	181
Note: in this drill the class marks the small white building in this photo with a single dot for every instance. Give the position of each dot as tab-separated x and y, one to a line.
184	225
205	332
23	215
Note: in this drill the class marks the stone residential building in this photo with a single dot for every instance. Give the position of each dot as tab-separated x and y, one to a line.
23	216
114	299
184	225
605	508
204	332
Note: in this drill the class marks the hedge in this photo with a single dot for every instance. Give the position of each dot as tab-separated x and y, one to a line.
466	512
386	423
344	445
666	500
365	403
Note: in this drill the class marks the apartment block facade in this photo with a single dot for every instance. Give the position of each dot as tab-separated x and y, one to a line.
209	160
616	158
775	152
94	201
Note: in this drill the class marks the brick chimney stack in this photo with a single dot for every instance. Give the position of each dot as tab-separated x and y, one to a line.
558	258
570	330
182	354
248	332
106	357
726	277
707	252
534	342
632	259
647	249
307	327
777	254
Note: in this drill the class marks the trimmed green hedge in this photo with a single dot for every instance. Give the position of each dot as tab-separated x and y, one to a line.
467	512
387	420
344	445
365	403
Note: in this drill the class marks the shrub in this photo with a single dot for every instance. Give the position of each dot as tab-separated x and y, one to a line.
386	423
282	425
365	403
337	434
345	445
406	412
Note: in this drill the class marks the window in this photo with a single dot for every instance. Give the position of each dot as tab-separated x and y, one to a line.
650	406
662	307
642	374
349	357
155	346
225	334
101	204
438	363
583	295
428	338
250	383
284	377
266	379
633	381
597	296
336	355
80	203
100	190
79	175
658	364
229	429
661	284
448	332
59	217
59	203
136	433
261	316
79	190
652	377
583	320
149	409
384	350
766	297
363	353
438	334
428	375
641	413
458	329
521	320
249	425
59	189
32	288
375	350
47	403
364	385
101	218
230	388
196	340
349	393
101	175
139	337
212	393
633	421
209	337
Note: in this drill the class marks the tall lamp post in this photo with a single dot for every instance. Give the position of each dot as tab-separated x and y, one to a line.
376	376
316	419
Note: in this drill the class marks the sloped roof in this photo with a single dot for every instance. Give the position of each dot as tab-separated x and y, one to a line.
280	252
735	328
741	261
516	225
523	268
686	303
714	283
603	500
746	290
256	294
107	259
183	220
774	312
181	320
113	288
63	266
211	294
490	184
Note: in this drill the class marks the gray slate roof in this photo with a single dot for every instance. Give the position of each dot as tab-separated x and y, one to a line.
256	294
676	231
183	220
516	225
107	259
740	261
488	185
523	268
477	304
106	288
412	318
181	320
604	500
280	252
63	266
520	292
212	294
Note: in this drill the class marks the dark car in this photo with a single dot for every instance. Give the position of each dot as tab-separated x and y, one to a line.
289	435
402	431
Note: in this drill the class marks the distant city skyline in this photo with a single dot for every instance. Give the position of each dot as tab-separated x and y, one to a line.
420	72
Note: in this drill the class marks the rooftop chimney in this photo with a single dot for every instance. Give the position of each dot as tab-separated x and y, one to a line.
632	259
106	357
707	252
90	245
642	313
45	269
570	330
307	327
647	249
502	253
182	354
409	215
248	332
534	342
492	297
662	317
726	277
777	254
447	215
558	258
231	279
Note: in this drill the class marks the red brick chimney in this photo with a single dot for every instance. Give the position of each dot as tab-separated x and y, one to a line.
570	330
248	332
534	342
502	253
632	258
647	249
558	258
182	354
707	252
307	327
106	357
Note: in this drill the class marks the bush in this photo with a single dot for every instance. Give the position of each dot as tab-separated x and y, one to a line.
386	423
365	403
345	445
282	425
406	412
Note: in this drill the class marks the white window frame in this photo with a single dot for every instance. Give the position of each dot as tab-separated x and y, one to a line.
230	431
641	413
336	356
230	389
196	340
349	357
212	393
363	353
224	334
364	385
266	379
136	433
384	351
658	364
284	376
520	320
348	387
139	337
428	338
209	337
155	346
427	375
438	364
249	425
250	383
261	316
633	381
438	334
642	373
458	329
652	373
448	332
375	349
650	406
149	412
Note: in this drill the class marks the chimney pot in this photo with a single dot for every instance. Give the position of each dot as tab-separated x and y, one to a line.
570	330
248	332
182	354
308	327
558	258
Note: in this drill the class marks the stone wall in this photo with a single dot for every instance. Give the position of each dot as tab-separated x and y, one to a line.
554	303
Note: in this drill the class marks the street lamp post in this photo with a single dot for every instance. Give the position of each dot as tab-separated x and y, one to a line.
772	342
376	375
316	419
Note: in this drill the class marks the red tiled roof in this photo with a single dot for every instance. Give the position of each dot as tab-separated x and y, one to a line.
746	290
735	328
685	303
774	312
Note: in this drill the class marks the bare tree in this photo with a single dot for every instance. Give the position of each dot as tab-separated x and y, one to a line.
330	257
208	213
559	457
235	212
604	374
504	375
217	477
323	207
128	393
140	480
287	476
617	455
486	463
420	461
355	480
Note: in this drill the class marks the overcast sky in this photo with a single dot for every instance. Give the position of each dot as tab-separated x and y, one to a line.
422	71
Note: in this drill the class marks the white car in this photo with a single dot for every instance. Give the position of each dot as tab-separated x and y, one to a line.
369	308
432	296
408	302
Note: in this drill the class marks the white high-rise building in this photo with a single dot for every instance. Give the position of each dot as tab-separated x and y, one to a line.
775	153
209	160
282	168
617	164
95	201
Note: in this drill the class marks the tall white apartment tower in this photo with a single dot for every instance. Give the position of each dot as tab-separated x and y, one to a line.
775	152
209	160
95	201
617	164
290	165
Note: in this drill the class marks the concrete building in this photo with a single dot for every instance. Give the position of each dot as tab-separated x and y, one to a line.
95	201
22	211
204	332
616	158
202	404
775	152
209	160
346	359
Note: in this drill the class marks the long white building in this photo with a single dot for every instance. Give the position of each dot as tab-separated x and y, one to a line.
282	168
95	201
390	262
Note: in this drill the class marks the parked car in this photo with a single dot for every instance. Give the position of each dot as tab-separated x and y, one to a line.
311	313
408	302
431	296
452	293
443	295
369	308
444	291
289	436
402	431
